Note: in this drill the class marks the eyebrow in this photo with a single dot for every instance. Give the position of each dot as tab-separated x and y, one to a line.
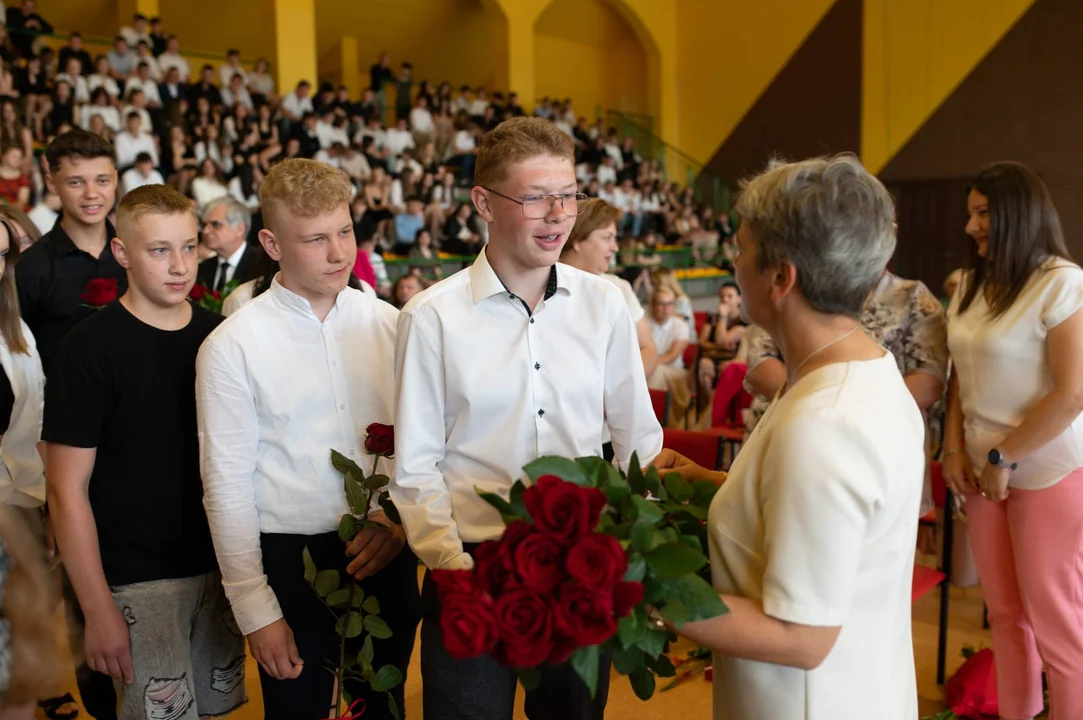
166	243
570	187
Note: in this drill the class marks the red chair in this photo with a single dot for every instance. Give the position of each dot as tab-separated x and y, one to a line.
702	448
926	579
660	403
730	396
691	357
700	319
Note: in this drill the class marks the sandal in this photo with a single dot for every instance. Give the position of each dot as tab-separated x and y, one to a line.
54	708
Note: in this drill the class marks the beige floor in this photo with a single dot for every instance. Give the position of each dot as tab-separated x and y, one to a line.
693	699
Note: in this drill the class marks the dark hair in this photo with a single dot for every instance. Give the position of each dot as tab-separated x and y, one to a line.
143	157
10	326
730	284
232	51
75	34
1024	232
120	38
79	144
139	16
133	115
247	176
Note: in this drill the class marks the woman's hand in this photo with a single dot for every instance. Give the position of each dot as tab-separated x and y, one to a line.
669	461
958	475
994	483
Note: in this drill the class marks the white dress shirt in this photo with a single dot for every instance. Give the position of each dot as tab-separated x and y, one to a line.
296	106
231	264
227	71
22	472
276	391
149	88
246	291
167	61
483	388
132	179
129	146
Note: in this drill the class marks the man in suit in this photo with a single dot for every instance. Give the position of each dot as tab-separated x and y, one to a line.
225	228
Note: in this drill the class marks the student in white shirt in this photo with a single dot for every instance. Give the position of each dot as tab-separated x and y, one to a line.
671	336
145	84
144	56
1013	436
812	533
140	174
172	58
277	388
298	102
560	362
231	68
132	142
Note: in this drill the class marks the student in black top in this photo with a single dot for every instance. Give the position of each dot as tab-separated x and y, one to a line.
75	49
25	25
123	478
55	271
205	88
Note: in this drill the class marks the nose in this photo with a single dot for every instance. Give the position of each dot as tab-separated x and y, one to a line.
972	228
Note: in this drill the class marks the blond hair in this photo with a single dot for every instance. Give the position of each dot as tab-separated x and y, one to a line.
305	188
663	277
594	214
147	200
26	606
515	140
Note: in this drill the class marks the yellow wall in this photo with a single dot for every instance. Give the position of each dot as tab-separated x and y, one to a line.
213	26
597	61
454	40
916	53
729	53
94	18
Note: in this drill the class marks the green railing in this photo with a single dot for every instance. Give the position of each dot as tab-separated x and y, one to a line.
102	45
677	165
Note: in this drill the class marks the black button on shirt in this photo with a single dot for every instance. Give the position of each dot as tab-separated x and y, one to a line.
51	275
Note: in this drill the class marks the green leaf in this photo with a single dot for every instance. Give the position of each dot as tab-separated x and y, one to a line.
507	512
642	683
356	497
676	612
703	492
674	560
652	642
386	678
628	630
644	538
365	663
366	650
654	591
626	661
529	677
310	566
563	468
393	707
375	482
693	510
351	623
326	582
347	699
347	528
518	506
357	595
636	482
637	568
585	663
389	509
647	509
696	595
344	464
653	481
379	629
691	541
338	598
594	467
663	666
679	489
372	605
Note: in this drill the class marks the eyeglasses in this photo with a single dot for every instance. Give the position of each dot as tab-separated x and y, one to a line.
537	207
216	224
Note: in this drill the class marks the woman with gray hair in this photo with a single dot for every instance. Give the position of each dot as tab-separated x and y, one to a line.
812	533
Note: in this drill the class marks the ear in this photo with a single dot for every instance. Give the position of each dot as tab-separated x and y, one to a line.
120	253
47	171
783	279
480	199
270	244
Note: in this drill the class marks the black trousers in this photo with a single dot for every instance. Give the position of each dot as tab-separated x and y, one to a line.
482	689
309	696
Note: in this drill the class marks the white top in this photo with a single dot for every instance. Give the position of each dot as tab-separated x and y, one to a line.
243	98
43	217
132	179
226	73
245	292
128	146
817	519
296	106
168	61
149	88
270	410
478	106
608	174
79	88
399	140
485	388
465	142
22	472
204	190
251	202
96	81
153	68
1003	369
635	309
673	330
421	120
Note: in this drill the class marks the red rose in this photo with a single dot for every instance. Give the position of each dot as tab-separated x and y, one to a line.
508	543
197	292
380	439
563	510
468	627
490	574
216	295
100	292
525	623
539	561
454	583
597	560
585	614
626	595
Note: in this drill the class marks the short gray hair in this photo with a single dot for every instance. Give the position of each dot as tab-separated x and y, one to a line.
236	213
831	219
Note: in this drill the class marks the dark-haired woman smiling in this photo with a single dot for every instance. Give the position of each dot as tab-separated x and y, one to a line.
1013	439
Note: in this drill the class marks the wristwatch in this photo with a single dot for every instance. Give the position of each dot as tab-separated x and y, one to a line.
996	457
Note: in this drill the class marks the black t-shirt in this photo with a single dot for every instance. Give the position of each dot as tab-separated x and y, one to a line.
7	401
128	389
50	276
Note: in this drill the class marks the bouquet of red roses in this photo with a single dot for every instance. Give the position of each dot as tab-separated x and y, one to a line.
584	555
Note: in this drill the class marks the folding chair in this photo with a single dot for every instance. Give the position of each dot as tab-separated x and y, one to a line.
660	402
702	448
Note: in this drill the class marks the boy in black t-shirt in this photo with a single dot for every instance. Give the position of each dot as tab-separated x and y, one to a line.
123	478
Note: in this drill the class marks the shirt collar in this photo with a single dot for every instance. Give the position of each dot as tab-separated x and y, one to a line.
64	244
484	282
234	259
295	302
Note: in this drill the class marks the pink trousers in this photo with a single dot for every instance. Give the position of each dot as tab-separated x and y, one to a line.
1029	553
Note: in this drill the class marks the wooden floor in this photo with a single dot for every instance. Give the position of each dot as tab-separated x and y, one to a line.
693	699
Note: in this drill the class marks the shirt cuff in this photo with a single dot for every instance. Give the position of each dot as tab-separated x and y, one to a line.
256	610
459	562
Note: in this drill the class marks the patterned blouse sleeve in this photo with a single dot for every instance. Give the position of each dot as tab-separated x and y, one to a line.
926	342
760	346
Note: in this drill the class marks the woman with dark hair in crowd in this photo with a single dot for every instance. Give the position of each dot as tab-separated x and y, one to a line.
13	132
35	91
9	86
1013	436
244	187
269	145
178	159
63	110
101	107
209	184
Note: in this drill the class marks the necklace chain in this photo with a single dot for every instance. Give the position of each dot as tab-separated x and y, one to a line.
825	346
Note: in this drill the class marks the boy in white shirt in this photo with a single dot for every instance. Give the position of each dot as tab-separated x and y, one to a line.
562	361
143	173
277	389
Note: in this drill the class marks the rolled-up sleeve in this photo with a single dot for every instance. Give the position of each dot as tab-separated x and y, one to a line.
418	488
228	442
